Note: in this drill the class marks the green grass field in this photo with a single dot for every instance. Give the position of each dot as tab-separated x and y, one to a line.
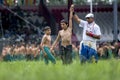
22	70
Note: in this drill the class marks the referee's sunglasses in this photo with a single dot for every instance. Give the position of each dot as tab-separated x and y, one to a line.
87	17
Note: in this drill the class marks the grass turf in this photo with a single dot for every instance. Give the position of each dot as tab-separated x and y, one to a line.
31	70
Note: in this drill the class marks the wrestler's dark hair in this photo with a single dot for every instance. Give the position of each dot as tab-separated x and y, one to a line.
64	21
46	28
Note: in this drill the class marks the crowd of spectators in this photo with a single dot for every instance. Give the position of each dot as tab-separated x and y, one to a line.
31	51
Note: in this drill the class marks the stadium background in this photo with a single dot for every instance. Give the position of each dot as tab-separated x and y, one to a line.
23	20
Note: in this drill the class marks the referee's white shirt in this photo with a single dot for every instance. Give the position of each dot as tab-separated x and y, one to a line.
92	27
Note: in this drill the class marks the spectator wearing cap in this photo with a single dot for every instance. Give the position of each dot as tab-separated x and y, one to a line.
91	33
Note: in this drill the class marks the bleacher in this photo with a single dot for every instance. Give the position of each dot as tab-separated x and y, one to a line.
103	17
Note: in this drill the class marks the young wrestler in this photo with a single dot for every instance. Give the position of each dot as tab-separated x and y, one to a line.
45	46
65	35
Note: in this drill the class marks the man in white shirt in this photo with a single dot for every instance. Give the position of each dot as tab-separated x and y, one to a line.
91	33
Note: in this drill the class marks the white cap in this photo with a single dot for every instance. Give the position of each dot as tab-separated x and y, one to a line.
89	15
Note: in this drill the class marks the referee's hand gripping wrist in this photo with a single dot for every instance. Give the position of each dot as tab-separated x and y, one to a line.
89	34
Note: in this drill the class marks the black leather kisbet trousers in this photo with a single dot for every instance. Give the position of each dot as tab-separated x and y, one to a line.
66	54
